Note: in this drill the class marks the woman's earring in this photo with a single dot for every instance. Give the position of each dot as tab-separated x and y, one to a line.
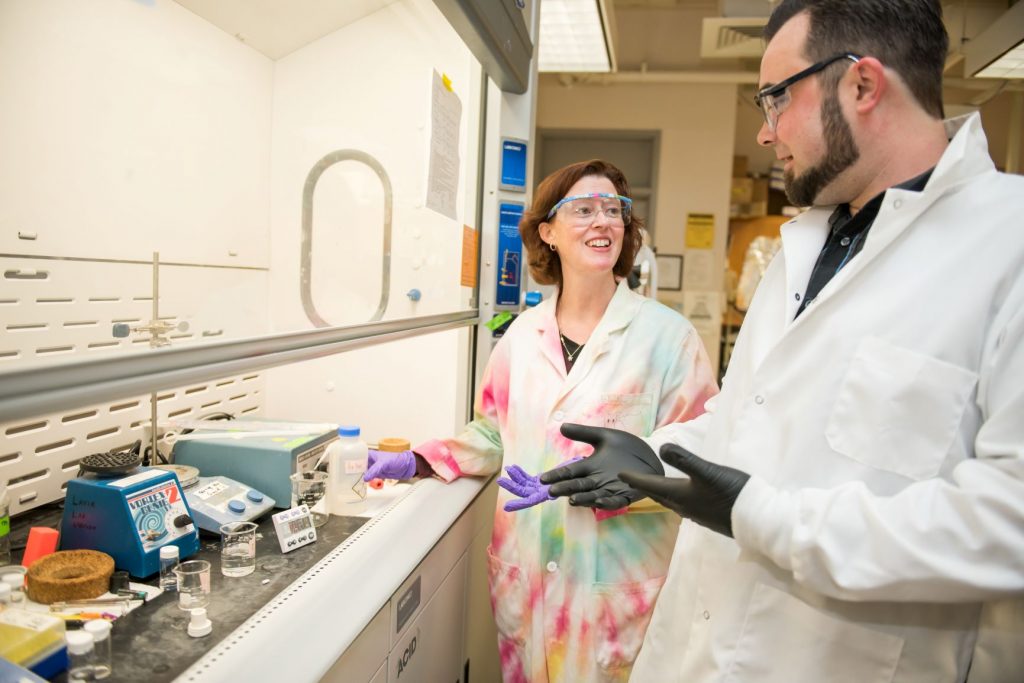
551	247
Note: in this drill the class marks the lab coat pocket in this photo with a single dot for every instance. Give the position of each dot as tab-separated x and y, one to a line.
784	640
628	412
508	598
623	611
898	410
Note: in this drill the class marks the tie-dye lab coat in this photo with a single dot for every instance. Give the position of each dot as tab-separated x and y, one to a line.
572	594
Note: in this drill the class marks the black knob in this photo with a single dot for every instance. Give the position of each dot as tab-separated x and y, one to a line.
182	521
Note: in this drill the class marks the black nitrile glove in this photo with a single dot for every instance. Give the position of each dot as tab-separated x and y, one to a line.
594	481
706	497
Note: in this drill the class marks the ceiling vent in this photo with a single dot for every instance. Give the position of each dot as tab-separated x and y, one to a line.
732	37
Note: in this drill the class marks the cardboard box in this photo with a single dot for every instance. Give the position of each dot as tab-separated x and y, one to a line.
739	167
748	209
759	192
742	191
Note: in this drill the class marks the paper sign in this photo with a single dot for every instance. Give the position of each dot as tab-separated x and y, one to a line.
699	273
700	230
443	171
469	252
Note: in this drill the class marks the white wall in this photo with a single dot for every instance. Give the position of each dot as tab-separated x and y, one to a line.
697	124
131	127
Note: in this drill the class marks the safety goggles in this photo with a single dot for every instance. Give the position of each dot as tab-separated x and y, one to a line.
581	209
774	99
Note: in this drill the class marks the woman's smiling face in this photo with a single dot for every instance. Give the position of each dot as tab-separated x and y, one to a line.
585	249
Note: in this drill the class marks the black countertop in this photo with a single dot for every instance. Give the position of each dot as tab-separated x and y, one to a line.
151	643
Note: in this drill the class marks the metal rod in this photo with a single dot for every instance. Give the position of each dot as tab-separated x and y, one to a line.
153	344
29	392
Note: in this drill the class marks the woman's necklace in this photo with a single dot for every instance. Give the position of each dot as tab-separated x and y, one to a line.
570	354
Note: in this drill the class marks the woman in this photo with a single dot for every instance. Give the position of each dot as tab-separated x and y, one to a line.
572	589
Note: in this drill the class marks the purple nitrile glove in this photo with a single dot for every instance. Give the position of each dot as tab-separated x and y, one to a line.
390	465
529	489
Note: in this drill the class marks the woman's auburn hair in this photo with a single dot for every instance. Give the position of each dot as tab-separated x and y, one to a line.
545	264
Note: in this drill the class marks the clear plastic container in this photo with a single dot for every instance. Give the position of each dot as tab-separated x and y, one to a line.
102	656
169	555
346	464
17	584
81	653
27	638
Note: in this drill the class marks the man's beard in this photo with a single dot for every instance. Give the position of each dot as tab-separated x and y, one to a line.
841	153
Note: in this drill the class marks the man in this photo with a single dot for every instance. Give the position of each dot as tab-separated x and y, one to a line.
858	510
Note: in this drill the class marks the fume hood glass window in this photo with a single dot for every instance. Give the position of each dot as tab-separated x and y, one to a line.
258	156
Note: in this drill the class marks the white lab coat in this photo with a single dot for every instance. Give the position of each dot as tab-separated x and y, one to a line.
883	525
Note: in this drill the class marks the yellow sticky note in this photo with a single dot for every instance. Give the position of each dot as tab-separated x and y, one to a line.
700	230
447	82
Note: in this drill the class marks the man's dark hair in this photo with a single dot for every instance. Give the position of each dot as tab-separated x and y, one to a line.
907	36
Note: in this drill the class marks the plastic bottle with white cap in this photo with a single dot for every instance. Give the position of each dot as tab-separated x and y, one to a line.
346	464
199	625
169	555
102	656
80	655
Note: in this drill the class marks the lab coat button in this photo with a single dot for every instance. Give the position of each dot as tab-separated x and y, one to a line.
552	567
707	615
897	204
797	296
759	400
559	416
845	241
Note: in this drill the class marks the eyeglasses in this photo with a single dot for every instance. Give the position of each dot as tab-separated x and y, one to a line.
582	209
774	99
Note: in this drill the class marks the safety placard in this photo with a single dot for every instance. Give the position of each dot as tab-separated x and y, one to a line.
509	269
513	165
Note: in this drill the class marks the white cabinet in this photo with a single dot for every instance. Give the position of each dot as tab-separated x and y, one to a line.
439	617
429	649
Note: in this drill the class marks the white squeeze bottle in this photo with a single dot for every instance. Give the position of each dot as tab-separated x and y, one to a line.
346	464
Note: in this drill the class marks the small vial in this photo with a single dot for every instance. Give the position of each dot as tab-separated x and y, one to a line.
101	662
168	561
17	583
80	655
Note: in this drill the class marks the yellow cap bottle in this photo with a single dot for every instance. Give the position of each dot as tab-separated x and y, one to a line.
390	445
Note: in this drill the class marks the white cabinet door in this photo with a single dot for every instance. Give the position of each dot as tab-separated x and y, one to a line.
430	649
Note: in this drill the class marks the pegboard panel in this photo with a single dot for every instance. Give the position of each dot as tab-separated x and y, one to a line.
39	455
54	310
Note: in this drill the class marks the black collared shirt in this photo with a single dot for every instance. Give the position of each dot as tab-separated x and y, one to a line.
846	238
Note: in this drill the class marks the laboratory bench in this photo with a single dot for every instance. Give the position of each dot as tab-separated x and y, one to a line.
375	598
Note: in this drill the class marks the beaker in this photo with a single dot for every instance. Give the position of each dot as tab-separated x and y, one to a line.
238	548
193	584
308	488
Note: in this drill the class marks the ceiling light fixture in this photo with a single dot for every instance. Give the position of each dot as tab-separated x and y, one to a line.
572	37
998	51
